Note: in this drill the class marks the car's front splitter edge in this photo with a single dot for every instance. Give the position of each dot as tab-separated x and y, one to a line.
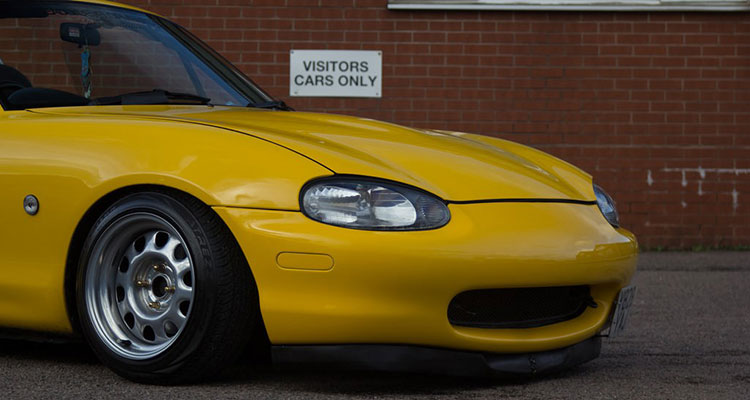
402	358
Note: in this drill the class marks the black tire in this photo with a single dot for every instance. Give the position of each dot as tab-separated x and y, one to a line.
212	330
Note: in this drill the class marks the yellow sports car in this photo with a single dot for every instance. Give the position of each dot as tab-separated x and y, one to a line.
157	202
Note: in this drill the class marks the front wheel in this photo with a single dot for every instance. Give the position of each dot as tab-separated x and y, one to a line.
163	291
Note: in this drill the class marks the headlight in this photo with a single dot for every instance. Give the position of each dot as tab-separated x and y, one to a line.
607	206
361	203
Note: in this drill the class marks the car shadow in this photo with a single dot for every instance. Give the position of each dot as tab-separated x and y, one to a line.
326	381
68	351
355	383
250	375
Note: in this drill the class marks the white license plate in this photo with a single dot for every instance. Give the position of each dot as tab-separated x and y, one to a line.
622	311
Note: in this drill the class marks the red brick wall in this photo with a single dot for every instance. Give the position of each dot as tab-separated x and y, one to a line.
655	105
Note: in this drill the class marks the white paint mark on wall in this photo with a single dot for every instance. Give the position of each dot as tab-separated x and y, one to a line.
649	178
684	205
703	171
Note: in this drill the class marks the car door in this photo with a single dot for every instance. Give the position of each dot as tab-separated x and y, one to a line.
33	242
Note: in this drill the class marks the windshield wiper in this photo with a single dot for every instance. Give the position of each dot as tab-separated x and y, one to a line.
156	96
272	105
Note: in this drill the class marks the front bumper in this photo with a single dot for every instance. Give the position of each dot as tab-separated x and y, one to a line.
320	284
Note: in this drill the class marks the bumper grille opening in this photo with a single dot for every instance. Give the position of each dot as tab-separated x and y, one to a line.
518	307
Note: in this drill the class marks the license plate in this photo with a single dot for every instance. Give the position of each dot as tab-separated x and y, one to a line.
622	311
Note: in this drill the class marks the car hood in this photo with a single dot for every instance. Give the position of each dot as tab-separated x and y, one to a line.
455	166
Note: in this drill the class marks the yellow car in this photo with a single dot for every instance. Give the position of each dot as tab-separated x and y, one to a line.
157	202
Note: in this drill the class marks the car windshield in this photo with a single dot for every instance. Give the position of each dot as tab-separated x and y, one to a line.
55	54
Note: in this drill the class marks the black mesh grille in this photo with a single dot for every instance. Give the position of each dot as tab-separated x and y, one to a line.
518	307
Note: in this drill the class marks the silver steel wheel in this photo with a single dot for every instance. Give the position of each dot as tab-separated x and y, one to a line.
139	286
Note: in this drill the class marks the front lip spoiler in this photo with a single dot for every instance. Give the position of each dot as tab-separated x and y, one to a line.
403	358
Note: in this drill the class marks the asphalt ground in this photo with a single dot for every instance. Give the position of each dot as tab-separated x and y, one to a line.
688	338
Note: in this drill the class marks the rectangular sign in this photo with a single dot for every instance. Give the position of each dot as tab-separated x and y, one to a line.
335	73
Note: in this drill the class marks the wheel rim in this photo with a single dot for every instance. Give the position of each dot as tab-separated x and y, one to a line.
139	286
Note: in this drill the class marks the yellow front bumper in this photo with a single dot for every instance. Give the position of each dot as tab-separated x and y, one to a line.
320	284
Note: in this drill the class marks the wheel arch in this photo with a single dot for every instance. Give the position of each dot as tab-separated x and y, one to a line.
87	222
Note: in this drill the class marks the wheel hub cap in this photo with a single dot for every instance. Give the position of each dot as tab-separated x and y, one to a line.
139	286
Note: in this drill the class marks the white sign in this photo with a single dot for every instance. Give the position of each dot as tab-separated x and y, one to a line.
335	73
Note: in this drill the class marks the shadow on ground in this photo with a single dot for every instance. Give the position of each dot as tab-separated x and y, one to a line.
48	350
250	374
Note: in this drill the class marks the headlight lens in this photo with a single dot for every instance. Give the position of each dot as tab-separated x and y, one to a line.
607	206
363	204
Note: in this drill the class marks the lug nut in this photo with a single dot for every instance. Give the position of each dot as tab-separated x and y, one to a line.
154	304
169	289
160	267
143	284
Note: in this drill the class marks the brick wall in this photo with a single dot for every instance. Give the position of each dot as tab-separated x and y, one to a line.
655	105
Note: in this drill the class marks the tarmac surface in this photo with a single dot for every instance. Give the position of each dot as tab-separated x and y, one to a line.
688	338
